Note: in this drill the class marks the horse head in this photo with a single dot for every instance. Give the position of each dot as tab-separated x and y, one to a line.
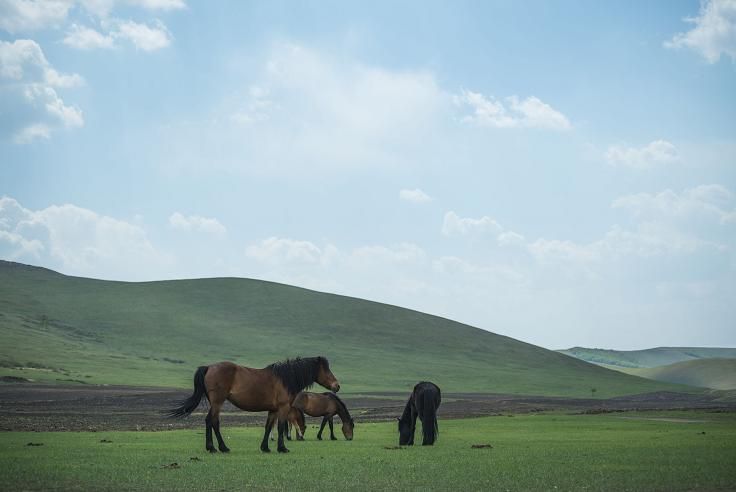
405	432
325	377
347	429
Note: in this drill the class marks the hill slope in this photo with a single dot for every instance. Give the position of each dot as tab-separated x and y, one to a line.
653	357
717	374
56	327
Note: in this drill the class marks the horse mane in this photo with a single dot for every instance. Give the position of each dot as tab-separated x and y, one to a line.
341	404
300	373
406	414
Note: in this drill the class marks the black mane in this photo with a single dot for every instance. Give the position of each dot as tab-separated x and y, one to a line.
300	373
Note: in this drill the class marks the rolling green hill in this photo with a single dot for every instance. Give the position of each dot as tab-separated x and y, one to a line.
59	328
653	357
717	374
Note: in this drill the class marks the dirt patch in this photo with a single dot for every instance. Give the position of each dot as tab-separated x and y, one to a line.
39	407
667	419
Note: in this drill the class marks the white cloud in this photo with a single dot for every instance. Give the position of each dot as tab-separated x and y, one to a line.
510	238
144	37
695	204
554	250
655	153
31	133
197	223
714	34
401	253
256	109
666	224
414	196
85	38
453	224
307	111
528	113
29	15
276	250
32	82
75	239
159	4
23	60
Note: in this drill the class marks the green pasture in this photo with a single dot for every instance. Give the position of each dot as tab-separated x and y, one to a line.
646	451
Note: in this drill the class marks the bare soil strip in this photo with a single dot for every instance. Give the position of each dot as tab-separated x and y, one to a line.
37	407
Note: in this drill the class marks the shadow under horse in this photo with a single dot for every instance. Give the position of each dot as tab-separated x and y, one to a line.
423	403
271	389
325	405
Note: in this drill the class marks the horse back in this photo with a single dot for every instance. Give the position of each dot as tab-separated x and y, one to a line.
426	391
249	389
314	404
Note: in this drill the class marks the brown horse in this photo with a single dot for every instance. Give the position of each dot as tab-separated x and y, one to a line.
325	405
270	389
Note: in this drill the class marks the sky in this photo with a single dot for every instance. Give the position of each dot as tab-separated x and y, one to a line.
563	173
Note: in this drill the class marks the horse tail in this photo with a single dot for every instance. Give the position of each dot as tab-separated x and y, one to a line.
430	430
186	407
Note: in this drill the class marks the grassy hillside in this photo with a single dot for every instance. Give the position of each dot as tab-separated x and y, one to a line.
708	373
56	327
654	357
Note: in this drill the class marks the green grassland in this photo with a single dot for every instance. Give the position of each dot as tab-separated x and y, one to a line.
708	373
653	357
679	451
67	329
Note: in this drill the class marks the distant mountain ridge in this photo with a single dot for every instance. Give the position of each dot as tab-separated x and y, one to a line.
719	374
66	329
648	358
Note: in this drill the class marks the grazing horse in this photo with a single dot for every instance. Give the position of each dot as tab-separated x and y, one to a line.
325	405
423	403
270	389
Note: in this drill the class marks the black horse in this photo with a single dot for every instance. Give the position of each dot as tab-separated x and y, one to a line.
423	403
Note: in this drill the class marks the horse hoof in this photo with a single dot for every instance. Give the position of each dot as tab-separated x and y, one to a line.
265	450
333	439
212	450
283	450
224	449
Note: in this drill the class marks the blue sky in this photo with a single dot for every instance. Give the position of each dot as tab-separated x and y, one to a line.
563	173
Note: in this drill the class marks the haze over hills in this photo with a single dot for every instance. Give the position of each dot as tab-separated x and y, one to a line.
717	374
60	328
653	357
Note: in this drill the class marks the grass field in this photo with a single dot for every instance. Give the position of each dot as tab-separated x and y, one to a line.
67	329
646	451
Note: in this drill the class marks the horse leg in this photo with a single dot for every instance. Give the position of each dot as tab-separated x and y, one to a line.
208	433
332	432
413	425
272	433
288	431
215	421
321	428
269	425
282	415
